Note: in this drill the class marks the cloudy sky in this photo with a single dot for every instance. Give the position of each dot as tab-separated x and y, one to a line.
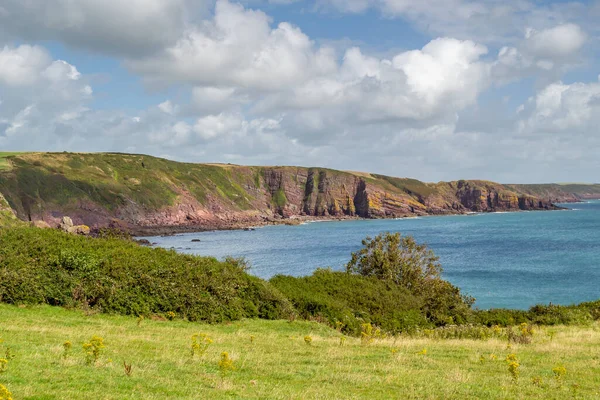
506	90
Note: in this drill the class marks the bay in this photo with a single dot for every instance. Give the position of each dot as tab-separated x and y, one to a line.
508	260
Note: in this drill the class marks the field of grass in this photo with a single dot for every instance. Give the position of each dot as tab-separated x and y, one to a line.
273	361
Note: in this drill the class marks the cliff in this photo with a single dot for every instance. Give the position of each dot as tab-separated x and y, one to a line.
144	194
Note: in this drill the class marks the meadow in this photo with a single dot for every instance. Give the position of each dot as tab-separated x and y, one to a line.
106	318
281	360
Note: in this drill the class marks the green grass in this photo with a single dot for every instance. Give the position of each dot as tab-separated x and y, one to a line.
4	164
278	364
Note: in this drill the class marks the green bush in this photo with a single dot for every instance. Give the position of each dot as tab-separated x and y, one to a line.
352	300
116	276
540	314
401	261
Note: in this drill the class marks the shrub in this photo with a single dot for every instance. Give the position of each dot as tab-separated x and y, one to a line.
347	301
115	276
400	260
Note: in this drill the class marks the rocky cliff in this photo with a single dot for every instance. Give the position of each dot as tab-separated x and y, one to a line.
144	193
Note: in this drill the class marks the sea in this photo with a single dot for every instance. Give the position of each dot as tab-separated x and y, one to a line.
504	260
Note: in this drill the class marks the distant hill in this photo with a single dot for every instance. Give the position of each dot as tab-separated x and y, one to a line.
561	192
148	194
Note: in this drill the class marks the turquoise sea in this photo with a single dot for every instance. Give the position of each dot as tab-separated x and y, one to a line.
512	260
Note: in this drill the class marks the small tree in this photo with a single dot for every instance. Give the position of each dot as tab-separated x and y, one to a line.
400	260
396	258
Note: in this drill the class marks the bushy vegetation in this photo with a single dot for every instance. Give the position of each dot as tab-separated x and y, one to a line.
552	314
392	284
117	276
399	260
347	301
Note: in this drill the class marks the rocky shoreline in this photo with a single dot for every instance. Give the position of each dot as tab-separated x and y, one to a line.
169	230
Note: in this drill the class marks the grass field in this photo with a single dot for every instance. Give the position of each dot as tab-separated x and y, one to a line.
278	364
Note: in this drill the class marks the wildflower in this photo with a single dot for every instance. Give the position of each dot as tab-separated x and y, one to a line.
170	315
5	394
200	344
226	364
93	349
559	373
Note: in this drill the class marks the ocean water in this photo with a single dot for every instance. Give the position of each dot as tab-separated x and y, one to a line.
512	260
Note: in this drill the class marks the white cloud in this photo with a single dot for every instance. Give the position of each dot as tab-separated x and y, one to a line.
167	107
489	21
265	93
111	26
212	126
237	47
557	42
37	92
546	54
22	65
571	109
413	87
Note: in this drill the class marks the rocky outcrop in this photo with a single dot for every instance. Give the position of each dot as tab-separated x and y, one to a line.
144	194
67	226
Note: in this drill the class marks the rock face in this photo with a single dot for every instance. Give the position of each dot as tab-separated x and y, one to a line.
142	193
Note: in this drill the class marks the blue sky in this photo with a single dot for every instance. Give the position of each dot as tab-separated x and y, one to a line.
436	90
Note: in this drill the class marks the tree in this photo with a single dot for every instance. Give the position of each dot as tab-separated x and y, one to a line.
400	260
396	258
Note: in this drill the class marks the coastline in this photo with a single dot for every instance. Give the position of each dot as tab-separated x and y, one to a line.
170	230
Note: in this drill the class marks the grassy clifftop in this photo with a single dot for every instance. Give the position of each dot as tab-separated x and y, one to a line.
143	191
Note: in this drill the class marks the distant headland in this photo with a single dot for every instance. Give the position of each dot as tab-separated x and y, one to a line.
149	195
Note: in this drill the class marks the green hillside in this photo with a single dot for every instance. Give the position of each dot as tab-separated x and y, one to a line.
139	192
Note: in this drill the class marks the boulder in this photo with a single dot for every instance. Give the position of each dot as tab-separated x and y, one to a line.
79	230
66	223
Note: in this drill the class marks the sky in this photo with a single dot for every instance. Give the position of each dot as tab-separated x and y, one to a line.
503	90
